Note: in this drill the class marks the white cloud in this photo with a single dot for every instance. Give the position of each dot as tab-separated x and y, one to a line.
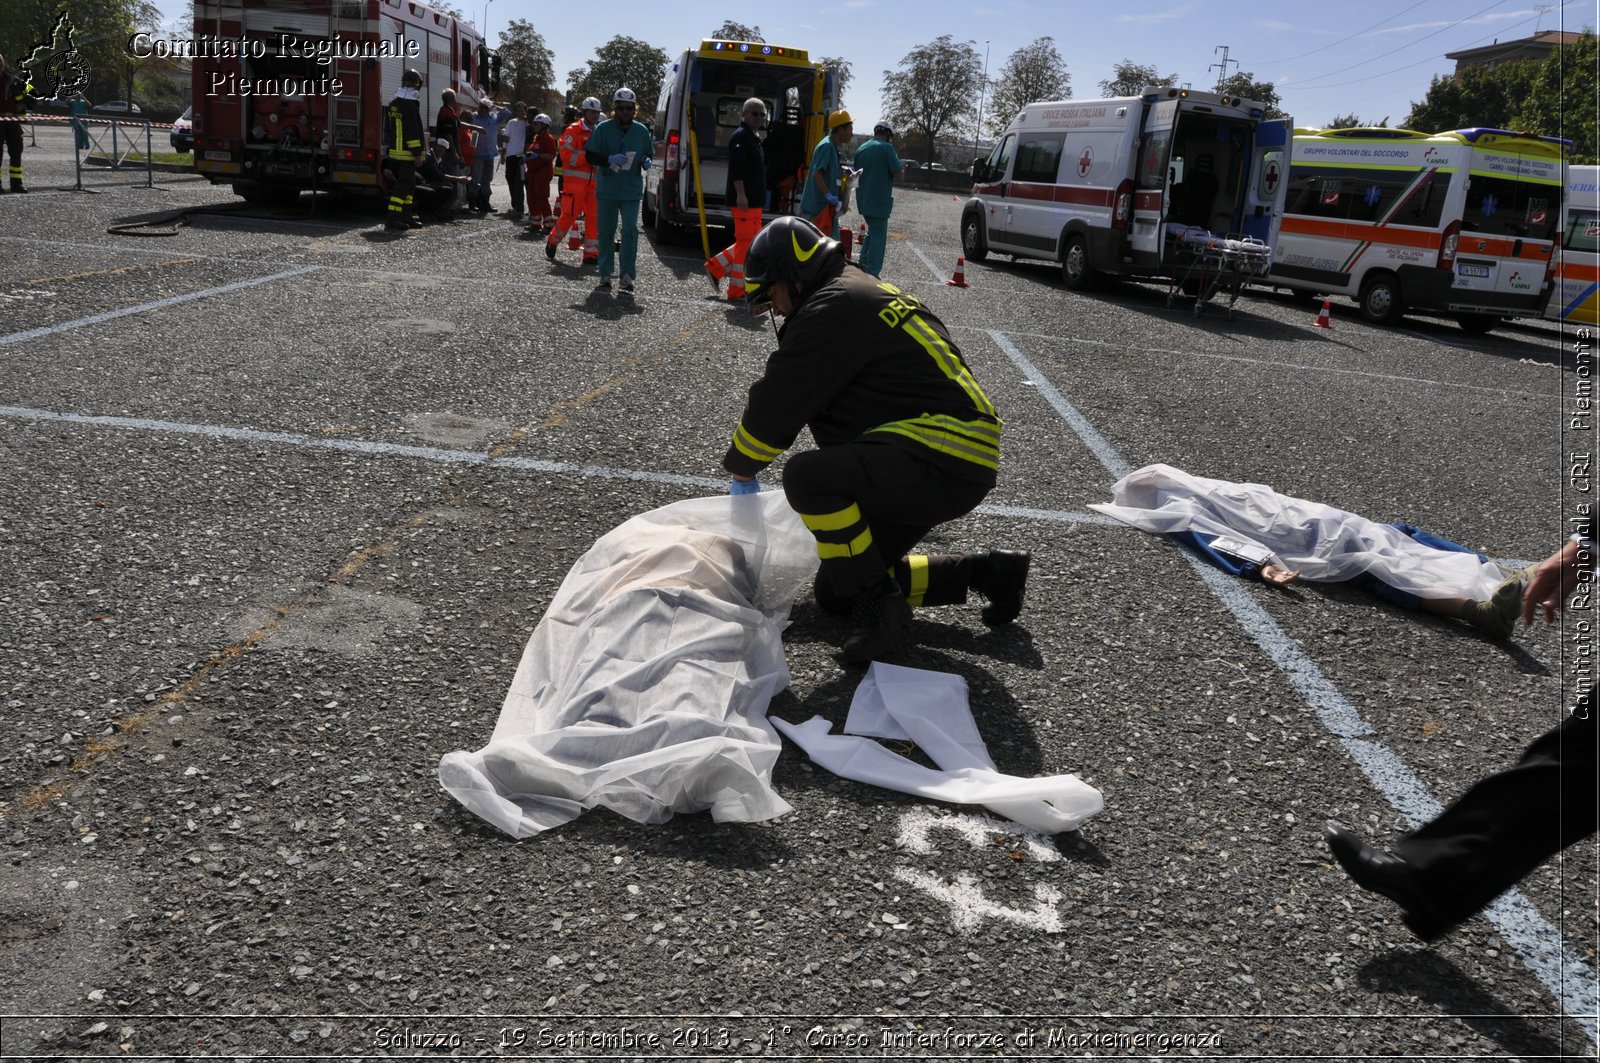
1158	17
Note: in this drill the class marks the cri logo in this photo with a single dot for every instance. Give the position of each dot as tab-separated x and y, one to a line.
1085	161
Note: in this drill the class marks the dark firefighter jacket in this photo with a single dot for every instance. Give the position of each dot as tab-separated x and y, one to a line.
862	359
14	94
402	129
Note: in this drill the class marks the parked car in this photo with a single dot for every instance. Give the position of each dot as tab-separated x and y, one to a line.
910	164
117	107
936	166
183	131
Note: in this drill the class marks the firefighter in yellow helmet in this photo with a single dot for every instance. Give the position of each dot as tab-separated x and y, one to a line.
402	138
824	198
906	439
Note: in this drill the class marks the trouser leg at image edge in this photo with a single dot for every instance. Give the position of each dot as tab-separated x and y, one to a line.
1510	822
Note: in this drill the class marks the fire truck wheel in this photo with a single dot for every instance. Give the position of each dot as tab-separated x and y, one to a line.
1076	273
1380	299
972	242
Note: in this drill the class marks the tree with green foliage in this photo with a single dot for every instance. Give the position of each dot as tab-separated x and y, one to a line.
618	62
1244	84
1128	77
527	66
738	31
1561	102
101	32
935	90
1033	73
1480	96
841	77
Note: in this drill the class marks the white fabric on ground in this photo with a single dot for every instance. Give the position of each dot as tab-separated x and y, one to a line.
645	687
1323	543
932	711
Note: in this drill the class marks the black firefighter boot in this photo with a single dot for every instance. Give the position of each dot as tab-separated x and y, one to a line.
1001	576
883	624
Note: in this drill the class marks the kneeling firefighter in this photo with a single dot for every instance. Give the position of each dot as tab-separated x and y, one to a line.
906	438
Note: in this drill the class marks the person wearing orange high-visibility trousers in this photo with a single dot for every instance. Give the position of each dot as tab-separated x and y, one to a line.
14	93
746	194
541	163
823	201
577	192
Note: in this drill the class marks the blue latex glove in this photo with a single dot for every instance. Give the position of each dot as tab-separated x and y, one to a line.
619	159
644	163
831	199
744	487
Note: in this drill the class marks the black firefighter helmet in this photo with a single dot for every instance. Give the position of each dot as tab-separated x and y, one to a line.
788	250
411	79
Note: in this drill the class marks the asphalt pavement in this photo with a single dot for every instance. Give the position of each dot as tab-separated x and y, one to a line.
282	497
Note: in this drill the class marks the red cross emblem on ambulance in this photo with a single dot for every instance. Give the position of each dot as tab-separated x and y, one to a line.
1269	179
1085	162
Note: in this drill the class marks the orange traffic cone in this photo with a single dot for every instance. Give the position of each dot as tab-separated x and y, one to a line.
1322	318
959	278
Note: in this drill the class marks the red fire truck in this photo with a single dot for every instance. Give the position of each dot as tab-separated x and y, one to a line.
289	95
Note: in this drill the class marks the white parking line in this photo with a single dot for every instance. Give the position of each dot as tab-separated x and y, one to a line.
1394	377
1567	977
65	326
469	457
926	261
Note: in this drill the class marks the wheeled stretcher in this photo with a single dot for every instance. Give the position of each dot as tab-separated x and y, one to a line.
1206	264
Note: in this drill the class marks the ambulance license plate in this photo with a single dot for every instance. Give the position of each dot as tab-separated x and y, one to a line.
219	156
1472	269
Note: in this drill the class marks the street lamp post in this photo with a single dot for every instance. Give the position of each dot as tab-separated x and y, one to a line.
486	4
983	87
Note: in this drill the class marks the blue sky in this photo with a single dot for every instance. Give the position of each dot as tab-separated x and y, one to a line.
1369	57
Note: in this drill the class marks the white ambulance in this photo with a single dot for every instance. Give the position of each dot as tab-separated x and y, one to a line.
1577	294
1130	186
1462	223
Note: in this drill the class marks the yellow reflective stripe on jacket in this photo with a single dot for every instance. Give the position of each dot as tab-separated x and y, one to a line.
753	448
918	564
836	521
399	148
947	361
854	548
974	441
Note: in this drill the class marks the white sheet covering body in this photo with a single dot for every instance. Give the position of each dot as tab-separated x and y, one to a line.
645	687
931	709
1323	543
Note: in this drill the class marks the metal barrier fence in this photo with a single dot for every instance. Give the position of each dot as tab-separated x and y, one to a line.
113	139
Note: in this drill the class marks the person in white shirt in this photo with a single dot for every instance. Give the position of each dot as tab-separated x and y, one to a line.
516	145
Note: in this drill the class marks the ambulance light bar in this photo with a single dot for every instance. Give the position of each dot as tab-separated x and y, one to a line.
753	50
